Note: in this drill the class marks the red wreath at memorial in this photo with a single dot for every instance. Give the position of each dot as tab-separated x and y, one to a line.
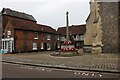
67	49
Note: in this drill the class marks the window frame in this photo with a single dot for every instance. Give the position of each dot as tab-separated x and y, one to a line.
62	38
34	46
42	45
35	35
8	33
81	37
48	37
58	37
48	46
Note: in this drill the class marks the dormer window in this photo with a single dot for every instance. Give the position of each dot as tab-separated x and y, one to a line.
35	35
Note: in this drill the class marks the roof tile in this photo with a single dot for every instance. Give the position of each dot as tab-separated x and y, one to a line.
22	15
74	29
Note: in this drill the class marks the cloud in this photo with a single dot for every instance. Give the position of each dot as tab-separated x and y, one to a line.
45	0
52	12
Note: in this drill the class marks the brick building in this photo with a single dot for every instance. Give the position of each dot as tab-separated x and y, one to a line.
102	28
21	33
76	34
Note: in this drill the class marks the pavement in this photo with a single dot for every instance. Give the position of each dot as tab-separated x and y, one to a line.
87	62
23	71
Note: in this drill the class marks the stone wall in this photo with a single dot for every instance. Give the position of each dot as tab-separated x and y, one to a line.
0	30
119	30
109	15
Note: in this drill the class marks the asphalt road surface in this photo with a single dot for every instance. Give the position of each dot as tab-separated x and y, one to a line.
23	71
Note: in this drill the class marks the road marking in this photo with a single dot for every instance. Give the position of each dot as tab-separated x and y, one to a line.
87	74
75	73
93	74
100	75
30	68
43	69
36	68
83	73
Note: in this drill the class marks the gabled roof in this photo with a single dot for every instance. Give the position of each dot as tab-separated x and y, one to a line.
9	12
74	29
47	29
27	25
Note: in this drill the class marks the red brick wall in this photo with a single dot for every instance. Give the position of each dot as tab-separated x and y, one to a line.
43	38
24	39
29	39
19	41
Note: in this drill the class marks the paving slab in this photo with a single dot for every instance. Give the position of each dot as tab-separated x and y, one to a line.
102	62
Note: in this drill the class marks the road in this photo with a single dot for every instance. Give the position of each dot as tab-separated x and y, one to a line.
23	71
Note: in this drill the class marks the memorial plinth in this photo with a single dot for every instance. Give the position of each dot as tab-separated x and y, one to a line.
67	47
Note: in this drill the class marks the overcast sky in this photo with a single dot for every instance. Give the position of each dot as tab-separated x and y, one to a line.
51	12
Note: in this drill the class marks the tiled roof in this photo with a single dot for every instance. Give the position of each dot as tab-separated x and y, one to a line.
27	25
74	29
45	28
7	11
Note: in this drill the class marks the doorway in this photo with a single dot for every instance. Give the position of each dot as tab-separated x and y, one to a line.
45	46
8	45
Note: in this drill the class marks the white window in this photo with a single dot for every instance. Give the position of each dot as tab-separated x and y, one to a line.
8	44
81	37
58	45
74	37
63	38
58	37
8	33
77	37
35	35
77	44
42	45
34	46
48	37
48	47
